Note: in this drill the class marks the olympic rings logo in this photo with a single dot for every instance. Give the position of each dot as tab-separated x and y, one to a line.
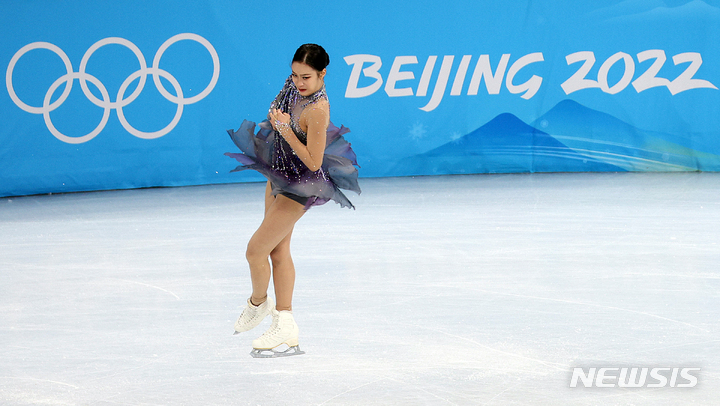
120	101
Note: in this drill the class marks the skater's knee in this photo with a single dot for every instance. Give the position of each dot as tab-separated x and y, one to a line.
279	255
255	253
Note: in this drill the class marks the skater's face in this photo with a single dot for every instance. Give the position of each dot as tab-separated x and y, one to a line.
307	80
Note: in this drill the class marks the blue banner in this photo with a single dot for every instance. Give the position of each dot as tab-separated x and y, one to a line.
126	94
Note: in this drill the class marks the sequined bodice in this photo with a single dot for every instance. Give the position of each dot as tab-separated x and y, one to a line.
291	101
284	159
300	106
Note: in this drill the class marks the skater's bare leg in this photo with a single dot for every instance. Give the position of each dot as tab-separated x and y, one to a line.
283	268
283	271
260	280
281	214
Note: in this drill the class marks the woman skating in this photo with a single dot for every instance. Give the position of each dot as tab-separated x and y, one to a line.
306	160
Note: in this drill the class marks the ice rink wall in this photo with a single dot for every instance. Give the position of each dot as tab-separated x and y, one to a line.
130	93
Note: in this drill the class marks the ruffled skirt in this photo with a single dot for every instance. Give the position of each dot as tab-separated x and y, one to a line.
268	153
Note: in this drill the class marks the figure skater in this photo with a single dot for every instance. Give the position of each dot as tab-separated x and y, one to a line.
306	160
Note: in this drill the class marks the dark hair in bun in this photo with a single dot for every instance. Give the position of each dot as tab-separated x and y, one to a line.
312	55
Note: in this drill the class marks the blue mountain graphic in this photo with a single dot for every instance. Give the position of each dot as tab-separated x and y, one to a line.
568	138
504	145
601	136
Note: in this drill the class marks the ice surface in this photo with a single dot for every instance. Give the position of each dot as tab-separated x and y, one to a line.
457	290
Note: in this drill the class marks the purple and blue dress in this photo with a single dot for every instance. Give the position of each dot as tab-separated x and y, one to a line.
268	153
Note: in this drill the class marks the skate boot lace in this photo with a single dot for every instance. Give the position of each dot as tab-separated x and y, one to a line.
281	330
273	331
252	316
250	313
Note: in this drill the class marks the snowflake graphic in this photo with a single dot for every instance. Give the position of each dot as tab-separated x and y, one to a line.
418	131
456	137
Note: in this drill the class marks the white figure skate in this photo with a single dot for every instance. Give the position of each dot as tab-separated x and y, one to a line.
283	330
253	315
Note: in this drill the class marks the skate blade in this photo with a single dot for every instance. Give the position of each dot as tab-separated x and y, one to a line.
272	353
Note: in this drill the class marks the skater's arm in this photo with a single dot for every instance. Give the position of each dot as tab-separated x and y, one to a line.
317	119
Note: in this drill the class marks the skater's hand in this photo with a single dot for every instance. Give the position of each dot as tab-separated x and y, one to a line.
278	119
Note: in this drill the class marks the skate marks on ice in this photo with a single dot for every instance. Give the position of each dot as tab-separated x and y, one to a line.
587	304
554	365
394	382
26	378
621	356
353	389
150	286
